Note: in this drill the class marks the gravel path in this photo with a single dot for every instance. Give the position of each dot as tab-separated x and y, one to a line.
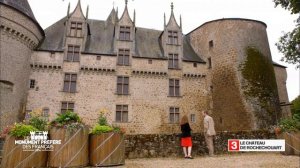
264	160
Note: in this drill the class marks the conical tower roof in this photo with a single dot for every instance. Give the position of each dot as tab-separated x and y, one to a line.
20	5
23	7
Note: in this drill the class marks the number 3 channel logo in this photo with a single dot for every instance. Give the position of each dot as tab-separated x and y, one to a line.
233	145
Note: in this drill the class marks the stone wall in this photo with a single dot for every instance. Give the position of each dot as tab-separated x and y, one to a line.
168	145
225	42
148	101
281	76
18	37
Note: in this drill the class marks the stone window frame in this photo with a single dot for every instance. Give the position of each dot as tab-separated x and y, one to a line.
73	53
211	43
209	62
27	114
32	83
150	61
195	65
122	85
123	57
174	87
174	114
76	29
193	118
45	112
173	61
172	37
124	33
122	113
67	106
70	82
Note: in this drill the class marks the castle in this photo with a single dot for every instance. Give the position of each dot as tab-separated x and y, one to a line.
144	80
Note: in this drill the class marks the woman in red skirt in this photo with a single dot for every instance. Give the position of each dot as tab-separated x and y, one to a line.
186	138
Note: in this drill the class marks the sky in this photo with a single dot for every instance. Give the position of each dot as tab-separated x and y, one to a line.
149	14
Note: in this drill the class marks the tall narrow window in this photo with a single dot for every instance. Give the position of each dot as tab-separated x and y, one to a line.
45	112
67	106
209	62
123	57
173	61
124	33
123	85
193	118
174	115
122	113
173	37
211	43
73	53
32	83
174	87
76	29
70	82
27	114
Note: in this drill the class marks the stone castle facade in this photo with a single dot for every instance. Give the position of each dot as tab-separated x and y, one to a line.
144	80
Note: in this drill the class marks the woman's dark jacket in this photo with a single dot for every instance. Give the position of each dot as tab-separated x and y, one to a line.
186	130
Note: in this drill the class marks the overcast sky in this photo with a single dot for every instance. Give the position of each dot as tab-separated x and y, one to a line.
149	14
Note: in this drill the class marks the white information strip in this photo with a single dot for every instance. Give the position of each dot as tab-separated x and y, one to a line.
259	145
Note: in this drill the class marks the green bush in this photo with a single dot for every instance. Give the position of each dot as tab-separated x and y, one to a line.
21	130
66	118
38	122
102	120
98	129
289	124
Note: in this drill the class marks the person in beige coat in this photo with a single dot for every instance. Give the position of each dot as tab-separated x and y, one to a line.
209	132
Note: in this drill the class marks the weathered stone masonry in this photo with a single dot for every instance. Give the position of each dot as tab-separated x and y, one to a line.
206	63
19	35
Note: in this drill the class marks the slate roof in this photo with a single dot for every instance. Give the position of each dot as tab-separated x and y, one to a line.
23	7
148	43
100	41
20	5
101	38
54	36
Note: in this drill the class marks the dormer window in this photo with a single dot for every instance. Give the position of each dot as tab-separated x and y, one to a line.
173	61
76	29
173	37
124	33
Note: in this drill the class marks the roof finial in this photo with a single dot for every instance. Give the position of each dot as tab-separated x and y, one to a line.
68	12
87	12
165	20
134	17
126	2
180	23
172	6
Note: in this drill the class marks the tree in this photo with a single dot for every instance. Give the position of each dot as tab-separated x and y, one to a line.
289	43
296	108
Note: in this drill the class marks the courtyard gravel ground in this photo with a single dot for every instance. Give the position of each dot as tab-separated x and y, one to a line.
243	160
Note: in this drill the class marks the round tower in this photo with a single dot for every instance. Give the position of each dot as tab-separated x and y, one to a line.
20	34
243	84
